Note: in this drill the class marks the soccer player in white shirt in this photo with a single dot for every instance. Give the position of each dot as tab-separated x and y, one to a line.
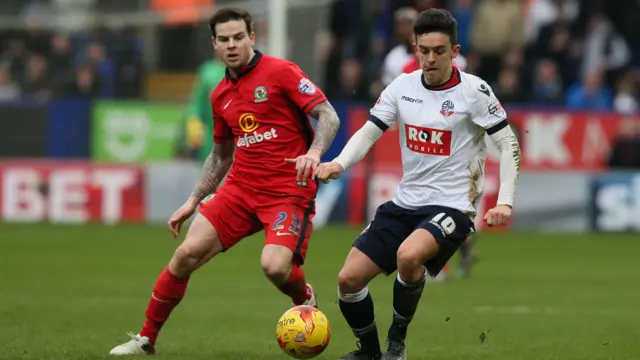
443	115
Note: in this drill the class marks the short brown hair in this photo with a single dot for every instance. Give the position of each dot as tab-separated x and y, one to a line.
436	20
229	14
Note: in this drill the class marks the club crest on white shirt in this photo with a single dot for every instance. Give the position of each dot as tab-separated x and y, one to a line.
447	108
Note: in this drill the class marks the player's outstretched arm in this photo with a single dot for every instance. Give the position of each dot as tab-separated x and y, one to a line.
510	157
355	150
328	125
213	171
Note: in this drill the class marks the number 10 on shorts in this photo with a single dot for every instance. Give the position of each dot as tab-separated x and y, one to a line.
446	224
281	218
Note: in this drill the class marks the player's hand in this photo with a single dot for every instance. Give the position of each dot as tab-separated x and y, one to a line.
305	165
498	216
181	215
330	170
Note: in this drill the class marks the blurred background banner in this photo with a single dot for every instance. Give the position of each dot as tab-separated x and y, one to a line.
71	192
123	86
132	131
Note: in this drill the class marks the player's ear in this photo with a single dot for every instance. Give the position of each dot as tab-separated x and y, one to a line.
456	51
415	48
252	36
214	43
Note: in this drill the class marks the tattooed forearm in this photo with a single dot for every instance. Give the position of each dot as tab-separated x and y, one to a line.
328	124
214	169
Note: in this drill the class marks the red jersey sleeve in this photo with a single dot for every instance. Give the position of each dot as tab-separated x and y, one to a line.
221	130
295	83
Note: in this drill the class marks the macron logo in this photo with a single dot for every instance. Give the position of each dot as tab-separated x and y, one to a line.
411	100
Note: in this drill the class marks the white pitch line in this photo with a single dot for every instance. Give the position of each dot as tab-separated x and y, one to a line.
527	310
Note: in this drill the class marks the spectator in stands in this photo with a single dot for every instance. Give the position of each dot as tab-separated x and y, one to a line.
547	84
103	69
124	48
9	90
402	53
591	94
60	63
37	85
497	27
604	49
15	57
462	11
555	42
625	154
544	13
509	86
85	84
626	99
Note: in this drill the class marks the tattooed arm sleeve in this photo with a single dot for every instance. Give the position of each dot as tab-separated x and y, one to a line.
328	124
215	168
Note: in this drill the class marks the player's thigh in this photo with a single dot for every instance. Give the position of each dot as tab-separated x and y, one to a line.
231	215
288	225
436	239
381	240
199	246
358	270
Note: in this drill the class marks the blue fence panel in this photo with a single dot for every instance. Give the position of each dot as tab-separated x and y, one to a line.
69	129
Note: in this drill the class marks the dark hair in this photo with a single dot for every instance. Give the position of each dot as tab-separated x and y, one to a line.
436	20
229	14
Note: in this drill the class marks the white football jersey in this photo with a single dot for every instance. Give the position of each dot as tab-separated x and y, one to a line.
442	136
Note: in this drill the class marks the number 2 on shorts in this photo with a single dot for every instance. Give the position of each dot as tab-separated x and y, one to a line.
282	217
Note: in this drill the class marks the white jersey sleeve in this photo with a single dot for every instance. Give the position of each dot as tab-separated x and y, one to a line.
488	113
486	110
385	110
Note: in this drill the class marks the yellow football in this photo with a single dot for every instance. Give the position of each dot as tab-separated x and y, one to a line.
303	332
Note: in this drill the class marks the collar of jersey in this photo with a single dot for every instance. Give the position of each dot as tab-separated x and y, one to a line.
453	81
245	69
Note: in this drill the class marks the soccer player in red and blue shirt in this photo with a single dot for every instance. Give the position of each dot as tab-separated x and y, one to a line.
264	141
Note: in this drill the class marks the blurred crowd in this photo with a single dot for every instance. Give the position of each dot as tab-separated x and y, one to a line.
40	65
579	54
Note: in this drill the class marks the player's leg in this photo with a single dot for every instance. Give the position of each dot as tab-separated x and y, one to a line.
356	303
374	252
433	243
288	226
220	224
467	256
200	245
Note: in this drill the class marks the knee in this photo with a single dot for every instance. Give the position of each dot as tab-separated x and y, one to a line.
185	260
407	258
277	270
349	282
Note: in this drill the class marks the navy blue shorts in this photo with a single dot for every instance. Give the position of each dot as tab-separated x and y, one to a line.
392	224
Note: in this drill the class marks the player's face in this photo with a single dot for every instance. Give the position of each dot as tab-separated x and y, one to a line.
233	44
436	54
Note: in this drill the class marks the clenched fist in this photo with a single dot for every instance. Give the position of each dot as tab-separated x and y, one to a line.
498	216
330	170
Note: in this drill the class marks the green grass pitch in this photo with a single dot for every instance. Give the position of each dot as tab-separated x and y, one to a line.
72	292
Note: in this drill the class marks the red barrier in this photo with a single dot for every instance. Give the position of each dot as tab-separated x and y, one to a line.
71	192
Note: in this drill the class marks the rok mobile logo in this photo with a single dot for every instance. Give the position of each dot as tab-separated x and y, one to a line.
428	141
